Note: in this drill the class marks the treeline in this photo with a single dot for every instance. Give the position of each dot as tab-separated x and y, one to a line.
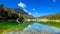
6	13
12	14
52	16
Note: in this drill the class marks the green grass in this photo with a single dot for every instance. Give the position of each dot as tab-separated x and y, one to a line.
55	24
11	26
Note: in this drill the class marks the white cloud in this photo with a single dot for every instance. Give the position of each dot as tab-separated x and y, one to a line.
29	13
33	9
21	5
54	1
25	10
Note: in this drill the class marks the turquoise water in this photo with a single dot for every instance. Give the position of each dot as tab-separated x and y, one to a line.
37	28
42	29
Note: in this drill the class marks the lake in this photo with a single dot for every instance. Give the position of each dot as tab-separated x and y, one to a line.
35	28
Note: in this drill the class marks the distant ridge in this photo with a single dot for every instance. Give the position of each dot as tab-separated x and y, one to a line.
52	16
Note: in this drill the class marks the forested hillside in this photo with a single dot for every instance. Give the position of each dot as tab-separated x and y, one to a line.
52	16
9	13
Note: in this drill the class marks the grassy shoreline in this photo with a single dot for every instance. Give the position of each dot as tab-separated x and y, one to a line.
7	26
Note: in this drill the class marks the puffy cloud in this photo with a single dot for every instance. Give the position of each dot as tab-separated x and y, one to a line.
21	5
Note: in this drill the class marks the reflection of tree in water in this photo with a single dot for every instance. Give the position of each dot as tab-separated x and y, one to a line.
20	20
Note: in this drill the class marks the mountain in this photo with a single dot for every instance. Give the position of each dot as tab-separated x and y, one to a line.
10	13
52	16
17	10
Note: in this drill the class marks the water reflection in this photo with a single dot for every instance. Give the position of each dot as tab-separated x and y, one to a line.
41	29
37	28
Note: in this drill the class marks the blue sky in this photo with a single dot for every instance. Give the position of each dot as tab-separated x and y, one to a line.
34	7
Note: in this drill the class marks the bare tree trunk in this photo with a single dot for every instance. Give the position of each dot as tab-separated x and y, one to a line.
17	20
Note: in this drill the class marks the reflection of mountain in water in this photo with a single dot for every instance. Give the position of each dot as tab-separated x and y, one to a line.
37	28
36	31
